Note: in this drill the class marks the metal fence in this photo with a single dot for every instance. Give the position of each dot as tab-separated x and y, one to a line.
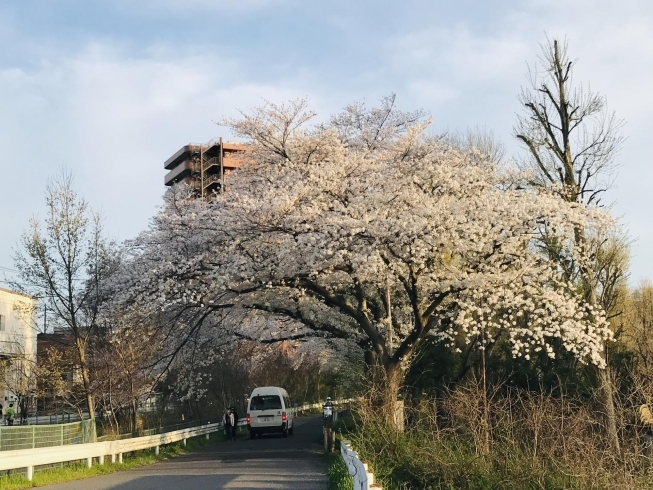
163	429
35	436
156	430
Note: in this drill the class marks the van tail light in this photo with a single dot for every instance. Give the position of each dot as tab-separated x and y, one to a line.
283	416
249	419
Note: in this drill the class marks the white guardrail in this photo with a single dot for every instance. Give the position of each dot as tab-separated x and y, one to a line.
29	458
359	470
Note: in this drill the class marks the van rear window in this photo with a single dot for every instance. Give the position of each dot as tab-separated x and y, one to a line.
265	402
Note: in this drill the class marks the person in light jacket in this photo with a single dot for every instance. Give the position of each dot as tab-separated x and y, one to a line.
234	424
10	413
228	423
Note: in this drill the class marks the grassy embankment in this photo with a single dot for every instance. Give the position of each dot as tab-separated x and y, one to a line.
535	442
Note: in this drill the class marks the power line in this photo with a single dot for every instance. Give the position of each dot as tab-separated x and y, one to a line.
8	269
14	282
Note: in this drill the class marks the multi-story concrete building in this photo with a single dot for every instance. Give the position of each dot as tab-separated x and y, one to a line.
17	344
204	167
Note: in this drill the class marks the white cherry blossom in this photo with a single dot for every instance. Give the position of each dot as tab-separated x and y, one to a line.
329	222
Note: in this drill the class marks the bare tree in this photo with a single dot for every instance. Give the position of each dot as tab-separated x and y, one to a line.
130	363
571	136
62	262
571	139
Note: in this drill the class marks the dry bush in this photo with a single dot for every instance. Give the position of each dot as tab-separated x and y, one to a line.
537	440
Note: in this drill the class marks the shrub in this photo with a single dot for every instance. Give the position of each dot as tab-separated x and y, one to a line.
537	441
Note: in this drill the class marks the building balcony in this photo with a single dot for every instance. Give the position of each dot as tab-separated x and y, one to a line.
183	154
182	170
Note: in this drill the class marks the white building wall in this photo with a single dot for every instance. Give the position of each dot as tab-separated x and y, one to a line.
18	337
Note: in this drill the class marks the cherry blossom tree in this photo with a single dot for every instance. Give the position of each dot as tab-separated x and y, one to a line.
364	229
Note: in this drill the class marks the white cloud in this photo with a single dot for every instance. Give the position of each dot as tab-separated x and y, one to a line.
456	54
194	7
112	120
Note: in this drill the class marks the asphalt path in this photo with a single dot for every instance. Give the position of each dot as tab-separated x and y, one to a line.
268	462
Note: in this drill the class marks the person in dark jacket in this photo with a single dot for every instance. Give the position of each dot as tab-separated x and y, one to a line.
234	427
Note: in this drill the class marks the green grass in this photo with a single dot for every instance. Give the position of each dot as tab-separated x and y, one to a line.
414	460
78	470
337	473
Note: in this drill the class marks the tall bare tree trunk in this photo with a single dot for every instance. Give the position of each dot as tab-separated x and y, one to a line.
557	116
606	398
486	409
83	366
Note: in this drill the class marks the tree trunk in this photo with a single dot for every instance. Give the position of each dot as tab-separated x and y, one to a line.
134	405
606	398
393	407
606	389
134	418
486	409
85	378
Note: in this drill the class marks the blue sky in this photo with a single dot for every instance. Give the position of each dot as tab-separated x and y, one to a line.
110	89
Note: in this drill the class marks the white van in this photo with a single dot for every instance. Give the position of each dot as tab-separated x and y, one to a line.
269	410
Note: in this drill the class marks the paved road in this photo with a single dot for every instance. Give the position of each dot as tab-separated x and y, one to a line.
271	462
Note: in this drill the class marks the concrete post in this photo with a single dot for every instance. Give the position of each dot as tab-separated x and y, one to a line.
184	442
100	459
30	473
156	451
119	458
370	478
207	436
113	459
89	462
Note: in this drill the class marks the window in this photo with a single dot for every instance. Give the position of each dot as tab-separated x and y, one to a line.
287	402
2	323
265	402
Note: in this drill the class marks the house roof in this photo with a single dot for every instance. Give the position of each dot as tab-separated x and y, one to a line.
17	293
